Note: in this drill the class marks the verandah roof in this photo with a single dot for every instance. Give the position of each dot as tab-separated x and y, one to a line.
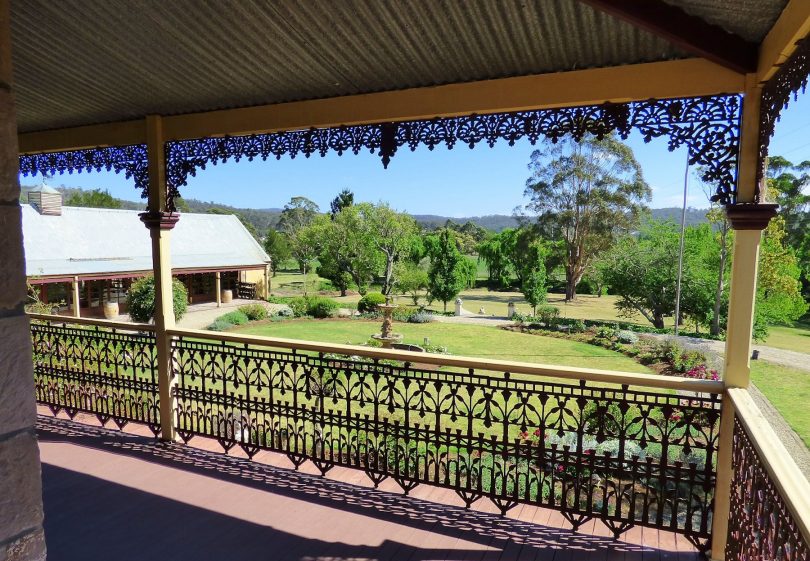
93	241
86	62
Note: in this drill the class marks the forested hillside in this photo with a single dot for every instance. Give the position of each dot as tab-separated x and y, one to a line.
265	218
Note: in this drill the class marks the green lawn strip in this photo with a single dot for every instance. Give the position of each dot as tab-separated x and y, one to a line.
788	389
415	415
460	340
791	338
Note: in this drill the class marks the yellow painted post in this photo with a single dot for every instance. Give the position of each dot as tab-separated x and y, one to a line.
218	289
76	298
748	220
160	223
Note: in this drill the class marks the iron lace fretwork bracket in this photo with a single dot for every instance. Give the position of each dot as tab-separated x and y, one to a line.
776	93
707	126
131	160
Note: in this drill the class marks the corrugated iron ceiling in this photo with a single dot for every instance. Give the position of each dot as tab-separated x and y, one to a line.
82	62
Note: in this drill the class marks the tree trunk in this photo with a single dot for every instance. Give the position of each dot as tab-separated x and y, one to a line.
718	294
305	277
658	322
343	292
445	306
571	281
389	272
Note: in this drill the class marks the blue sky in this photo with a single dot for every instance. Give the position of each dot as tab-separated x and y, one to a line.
459	182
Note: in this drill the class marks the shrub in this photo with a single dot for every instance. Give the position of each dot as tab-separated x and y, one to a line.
421	317
237	317
219	325
631	449
401	313
687	360
254	311
702	372
141	299
603	418
320	307
577	326
369	302
278	299
521	318
627	337
283	312
548	314
298	305
605	332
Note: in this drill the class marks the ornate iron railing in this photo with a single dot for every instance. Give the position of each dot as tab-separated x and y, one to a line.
108	370
626	456
639	452
769	509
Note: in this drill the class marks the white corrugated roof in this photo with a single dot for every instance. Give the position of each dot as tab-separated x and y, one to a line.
85	241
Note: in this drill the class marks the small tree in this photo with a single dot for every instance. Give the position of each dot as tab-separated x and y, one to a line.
411	280
141	299
533	277
391	232
277	247
445	277
643	272
297	215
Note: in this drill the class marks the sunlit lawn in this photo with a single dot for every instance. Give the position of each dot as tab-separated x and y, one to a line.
495	303
464	340
796	338
788	389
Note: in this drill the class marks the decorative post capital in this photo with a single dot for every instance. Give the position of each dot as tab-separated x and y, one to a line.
159	220
750	216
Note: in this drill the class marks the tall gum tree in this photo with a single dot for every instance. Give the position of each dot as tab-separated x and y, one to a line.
585	193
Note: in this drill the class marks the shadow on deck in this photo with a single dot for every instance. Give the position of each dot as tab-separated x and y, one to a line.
114	495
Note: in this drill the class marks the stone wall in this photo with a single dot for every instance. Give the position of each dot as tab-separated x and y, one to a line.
21	534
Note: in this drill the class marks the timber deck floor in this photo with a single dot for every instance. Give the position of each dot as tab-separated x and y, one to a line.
112	495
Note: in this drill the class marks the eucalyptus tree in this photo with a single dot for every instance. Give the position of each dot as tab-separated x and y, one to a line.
346	251
391	232
296	216
587	193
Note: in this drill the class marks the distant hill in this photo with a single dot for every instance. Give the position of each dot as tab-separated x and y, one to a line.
262	219
265	218
694	216
494	222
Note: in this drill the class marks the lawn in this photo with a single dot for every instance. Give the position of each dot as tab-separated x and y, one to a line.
495	303
464	340
795	338
788	390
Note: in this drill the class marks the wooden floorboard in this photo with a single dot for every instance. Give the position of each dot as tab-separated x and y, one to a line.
122	496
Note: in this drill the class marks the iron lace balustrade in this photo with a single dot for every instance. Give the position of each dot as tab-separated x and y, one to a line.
106	369
770	498
625	455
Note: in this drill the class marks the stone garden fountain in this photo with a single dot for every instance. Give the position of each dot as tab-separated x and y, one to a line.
386	336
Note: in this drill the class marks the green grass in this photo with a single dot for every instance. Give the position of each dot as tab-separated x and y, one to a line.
795	338
788	390
586	306
464	340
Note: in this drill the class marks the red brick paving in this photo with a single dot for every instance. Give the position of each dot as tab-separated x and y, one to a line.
121	495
